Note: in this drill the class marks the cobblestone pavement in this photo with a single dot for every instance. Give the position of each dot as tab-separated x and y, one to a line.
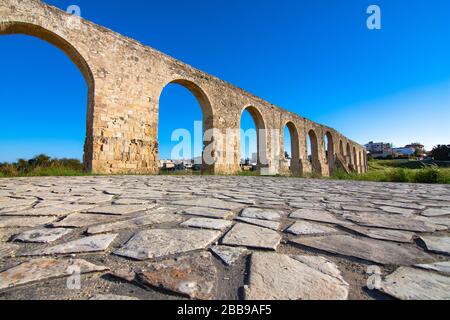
180	237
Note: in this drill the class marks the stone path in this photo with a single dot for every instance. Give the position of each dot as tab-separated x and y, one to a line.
169	237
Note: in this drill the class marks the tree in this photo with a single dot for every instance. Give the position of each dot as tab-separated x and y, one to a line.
286	155
441	153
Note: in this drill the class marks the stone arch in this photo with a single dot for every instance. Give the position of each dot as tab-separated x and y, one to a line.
348	153
341	148
296	168
16	27
329	153
207	115
362	161
315	161
261	135
355	159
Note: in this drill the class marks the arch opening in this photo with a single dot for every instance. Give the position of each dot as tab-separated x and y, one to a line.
61	98
182	141
313	152
329	150
291	148
252	140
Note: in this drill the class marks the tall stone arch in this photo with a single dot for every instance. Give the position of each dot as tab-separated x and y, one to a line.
207	117
14	27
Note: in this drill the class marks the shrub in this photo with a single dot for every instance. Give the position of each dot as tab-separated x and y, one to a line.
428	175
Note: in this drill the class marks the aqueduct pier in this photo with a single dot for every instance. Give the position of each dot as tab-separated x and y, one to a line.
125	80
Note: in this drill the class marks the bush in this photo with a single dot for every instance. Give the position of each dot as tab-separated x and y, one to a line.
428	175
42	165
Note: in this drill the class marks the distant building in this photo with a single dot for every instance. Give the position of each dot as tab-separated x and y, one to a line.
379	149
404	152
416	146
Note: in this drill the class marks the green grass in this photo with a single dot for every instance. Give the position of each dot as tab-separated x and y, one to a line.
399	171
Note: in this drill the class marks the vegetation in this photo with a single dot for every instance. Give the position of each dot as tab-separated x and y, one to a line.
42	165
400	171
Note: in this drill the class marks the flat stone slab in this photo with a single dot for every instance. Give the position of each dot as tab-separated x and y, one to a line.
442	267
281	277
42	235
161	242
25	222
389	221
437	244
397	210
229	255
316	215
132	201
138	222
382	252
44	269
80	220
262	214
118	210
41	212
209	203
273	225
193	275
112	297
309	228
209	212
97	199
383	234
205	223
8	250
414	284
436	212
245	235
84	245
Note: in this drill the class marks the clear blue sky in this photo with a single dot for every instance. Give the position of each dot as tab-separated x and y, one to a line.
312	57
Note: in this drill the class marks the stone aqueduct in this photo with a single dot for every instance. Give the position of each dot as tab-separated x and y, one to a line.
125	80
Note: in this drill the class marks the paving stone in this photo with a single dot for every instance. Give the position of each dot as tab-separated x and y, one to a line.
389	221
194	275
210	203
309	228
42	235
45	269
25	222
414	284
80	220
397	210
281	277
437	244
138	222
398	204
382	252
442	267
262	214
316	215
118	210
41	212
244	235
159	243
436	212
8	250
273	225
229	255
97	243
209	213
131	201
205	223
97	199
383	234
112	297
